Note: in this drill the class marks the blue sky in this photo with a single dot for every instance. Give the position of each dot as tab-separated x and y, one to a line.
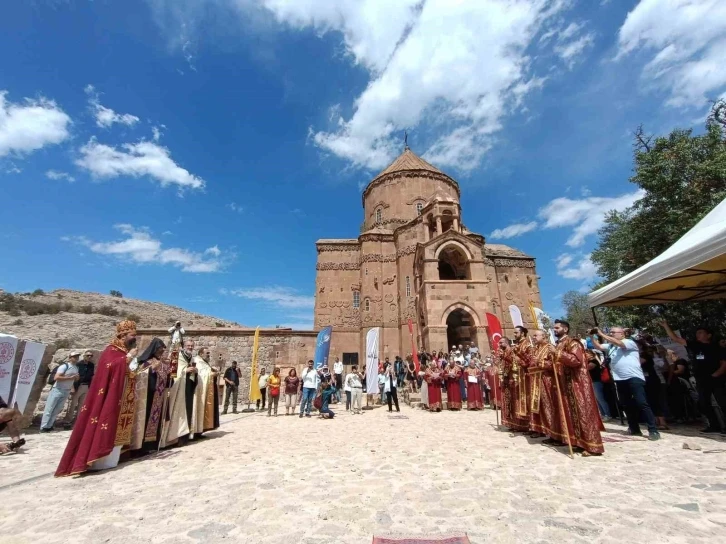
191	152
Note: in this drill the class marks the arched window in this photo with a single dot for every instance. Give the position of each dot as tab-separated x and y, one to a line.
367	305
453	264
356	299
379	215
408	286
419	207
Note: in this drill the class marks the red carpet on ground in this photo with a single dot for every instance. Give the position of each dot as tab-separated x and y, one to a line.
437	539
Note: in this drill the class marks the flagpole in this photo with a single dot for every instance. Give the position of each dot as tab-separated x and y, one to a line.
253	368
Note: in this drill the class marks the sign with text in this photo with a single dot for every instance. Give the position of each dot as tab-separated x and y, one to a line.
32	356
8	348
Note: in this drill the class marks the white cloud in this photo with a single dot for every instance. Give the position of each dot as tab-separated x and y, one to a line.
140	247
583	270
586	215
136	160
13	169
156	132
105	117
55	174
235	207
214	251
283	297
687	40
30	125
457	68
513	231
571	51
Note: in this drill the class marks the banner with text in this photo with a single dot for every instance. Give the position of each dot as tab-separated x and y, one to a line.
414	351
372	360
32	356
255	393
322	347
8	347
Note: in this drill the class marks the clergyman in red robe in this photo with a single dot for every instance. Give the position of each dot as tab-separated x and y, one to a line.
452	375
578	396
105	420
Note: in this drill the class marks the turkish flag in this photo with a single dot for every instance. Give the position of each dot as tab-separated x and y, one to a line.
495	330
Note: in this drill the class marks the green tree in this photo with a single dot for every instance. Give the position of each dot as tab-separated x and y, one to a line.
577	312
682	177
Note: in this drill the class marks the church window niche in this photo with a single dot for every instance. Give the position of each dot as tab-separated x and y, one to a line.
408	286
453	264
447	220
367	305
379	215
419	207
356	299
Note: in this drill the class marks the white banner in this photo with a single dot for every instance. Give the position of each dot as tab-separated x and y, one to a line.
8	347
32	356
372	361
516	316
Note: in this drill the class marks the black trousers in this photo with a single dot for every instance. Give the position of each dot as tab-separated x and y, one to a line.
347	400
707	387
392	396
263	392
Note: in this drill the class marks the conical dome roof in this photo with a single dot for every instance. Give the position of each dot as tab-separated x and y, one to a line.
408	160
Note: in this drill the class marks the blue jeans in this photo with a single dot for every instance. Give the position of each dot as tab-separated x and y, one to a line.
328	411
53	407
462	388
308	395
632	394
602	402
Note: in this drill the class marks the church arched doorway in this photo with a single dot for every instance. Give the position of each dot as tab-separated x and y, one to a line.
460	329
453	264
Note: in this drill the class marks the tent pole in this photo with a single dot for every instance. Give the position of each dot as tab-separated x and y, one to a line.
594	316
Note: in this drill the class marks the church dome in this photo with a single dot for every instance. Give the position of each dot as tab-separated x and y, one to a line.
410	165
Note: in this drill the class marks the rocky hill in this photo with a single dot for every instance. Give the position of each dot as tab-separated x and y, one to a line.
76	319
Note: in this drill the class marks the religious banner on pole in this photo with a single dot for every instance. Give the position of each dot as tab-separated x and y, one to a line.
322	347
8	348
372	360
32	356
414	351
255	394
516	316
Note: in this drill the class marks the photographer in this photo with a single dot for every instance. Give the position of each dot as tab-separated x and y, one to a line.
177	335
628	376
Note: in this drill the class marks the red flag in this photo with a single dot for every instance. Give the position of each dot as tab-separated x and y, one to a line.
495	330
414	352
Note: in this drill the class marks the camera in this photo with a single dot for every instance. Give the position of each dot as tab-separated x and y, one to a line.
592	331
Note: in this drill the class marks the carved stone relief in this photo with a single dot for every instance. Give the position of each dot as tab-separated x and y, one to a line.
514	263
353	246
338	266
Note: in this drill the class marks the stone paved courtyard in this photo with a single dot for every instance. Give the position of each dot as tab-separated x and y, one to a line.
262	480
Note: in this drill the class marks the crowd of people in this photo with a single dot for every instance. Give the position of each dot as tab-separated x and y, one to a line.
133	404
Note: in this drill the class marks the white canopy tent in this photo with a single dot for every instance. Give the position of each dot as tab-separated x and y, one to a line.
694	268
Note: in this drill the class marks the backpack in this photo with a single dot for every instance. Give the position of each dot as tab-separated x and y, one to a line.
51	378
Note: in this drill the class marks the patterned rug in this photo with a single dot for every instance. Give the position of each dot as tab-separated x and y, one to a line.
455	538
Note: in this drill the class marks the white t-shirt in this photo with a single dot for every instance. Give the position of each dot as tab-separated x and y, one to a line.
624	362
310	378
352	380
262	382
338	367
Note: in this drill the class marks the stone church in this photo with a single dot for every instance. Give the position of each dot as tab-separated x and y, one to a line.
415	260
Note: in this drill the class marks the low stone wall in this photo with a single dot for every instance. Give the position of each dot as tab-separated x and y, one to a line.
283	348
